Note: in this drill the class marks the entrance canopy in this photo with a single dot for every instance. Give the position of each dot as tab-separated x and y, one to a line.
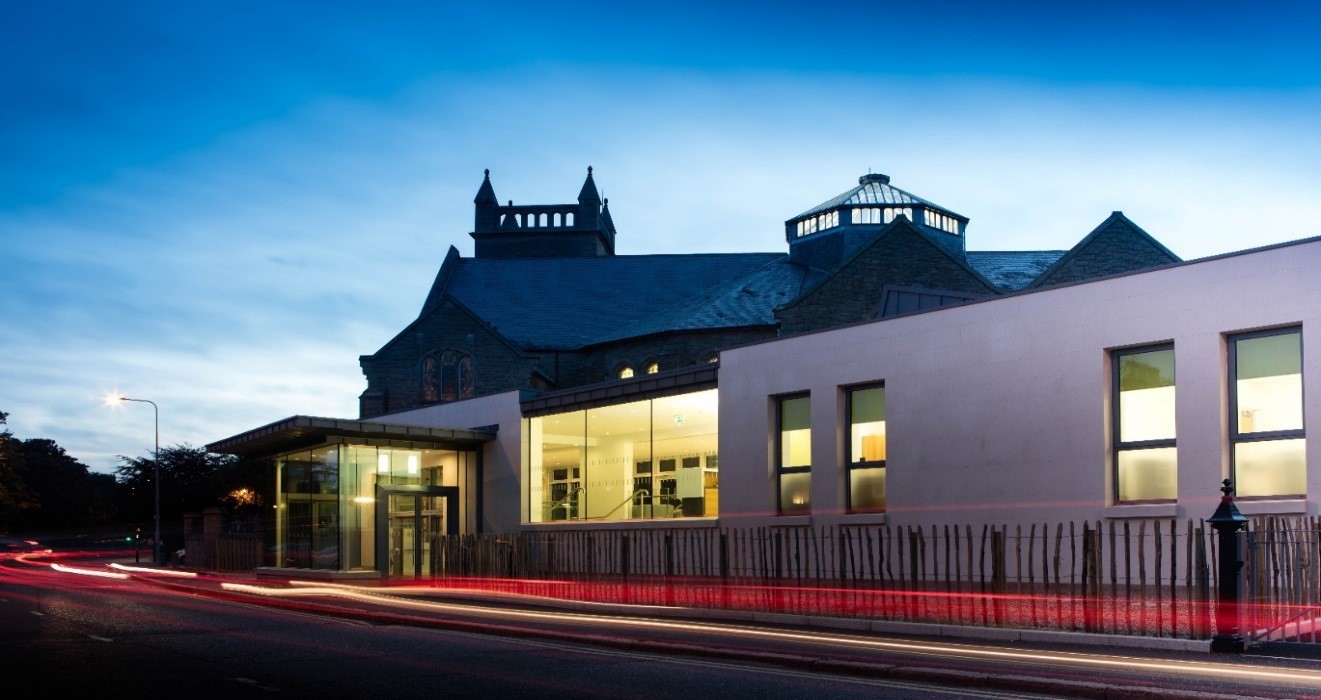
298	432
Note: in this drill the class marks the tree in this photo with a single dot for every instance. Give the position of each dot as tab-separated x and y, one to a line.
15	496
67	493
193	479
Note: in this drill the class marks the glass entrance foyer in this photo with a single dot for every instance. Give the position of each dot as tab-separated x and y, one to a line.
359	507
361	497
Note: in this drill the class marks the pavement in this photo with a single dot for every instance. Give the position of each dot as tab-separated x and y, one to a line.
230	586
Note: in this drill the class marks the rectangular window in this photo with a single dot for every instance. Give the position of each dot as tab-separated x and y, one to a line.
654	458
1146	466
1266	413
794	459
866	455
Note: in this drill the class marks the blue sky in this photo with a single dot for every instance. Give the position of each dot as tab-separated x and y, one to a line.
220	206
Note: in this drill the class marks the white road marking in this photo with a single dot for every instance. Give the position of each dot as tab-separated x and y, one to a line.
255	684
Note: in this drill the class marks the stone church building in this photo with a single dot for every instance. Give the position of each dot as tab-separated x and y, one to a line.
546	302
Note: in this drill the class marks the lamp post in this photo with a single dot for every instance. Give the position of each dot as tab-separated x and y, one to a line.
156	459
1227	521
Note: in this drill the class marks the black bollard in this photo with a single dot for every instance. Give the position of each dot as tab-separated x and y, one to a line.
1228	521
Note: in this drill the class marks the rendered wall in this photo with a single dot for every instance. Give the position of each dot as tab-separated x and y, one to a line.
500	458
998	411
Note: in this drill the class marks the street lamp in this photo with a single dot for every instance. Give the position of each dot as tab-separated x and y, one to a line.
156	459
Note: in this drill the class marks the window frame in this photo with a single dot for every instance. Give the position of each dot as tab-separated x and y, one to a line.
1117	444
851	465
1237	438
780	469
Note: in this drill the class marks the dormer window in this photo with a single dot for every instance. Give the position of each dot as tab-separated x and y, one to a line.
626	373
653	368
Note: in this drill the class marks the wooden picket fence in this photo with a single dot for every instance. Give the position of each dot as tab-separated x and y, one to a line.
1282	588
1144	577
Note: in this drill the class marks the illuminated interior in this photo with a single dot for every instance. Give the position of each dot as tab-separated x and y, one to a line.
795	458
639	460
326	499
1270	468
1146	464
867	447
1268	399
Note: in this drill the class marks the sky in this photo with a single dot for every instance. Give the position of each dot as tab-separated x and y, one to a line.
219	206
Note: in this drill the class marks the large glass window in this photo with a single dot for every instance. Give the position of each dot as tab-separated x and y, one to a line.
643	459
1146	466
1266	413
866	455
326	501
794	454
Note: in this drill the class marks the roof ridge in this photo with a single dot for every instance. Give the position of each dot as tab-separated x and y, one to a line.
877	182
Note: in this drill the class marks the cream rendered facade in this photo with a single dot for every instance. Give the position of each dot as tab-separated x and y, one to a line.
997	411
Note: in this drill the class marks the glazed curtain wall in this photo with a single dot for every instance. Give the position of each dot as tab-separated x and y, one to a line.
647	459
326	499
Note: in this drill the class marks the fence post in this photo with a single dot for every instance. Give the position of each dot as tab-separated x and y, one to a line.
1227	521
623	557
669	555
724	558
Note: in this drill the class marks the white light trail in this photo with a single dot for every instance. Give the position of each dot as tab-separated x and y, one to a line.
1296	676
87	572
154	572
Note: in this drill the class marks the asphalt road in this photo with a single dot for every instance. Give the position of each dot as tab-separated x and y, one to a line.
151	632
72	636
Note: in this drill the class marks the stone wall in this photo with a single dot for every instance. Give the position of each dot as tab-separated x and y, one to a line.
1117	247
394	373
670	351
902	257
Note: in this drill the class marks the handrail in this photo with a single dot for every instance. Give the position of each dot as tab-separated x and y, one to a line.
628	500
563	501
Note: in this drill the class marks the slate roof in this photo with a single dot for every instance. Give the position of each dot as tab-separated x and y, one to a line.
1015	269
570	302
874	190
747	300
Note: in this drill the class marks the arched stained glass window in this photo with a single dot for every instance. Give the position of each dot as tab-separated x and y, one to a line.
447	376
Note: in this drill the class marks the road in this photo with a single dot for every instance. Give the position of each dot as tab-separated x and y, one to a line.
143	634
77	636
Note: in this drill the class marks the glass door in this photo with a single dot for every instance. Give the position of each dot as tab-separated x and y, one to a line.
404	559
415	519
431	525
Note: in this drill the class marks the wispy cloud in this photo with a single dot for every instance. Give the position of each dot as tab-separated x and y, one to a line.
236	283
